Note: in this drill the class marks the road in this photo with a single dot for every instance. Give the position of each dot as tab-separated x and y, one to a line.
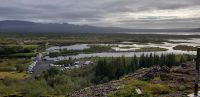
41	65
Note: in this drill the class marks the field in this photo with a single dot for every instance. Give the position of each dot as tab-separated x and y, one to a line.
14	75
13	68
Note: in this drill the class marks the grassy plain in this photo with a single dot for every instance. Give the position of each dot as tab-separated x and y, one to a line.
14	75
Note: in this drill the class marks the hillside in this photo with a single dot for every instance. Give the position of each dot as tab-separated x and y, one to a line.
26	26
196	30
157	81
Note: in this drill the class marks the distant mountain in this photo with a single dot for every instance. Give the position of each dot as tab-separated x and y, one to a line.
195	30
25	26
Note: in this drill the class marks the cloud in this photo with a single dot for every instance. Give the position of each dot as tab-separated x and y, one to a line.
122	13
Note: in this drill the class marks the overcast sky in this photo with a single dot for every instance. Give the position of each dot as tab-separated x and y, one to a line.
116	13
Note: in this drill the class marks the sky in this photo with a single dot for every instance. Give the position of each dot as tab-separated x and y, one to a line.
112	13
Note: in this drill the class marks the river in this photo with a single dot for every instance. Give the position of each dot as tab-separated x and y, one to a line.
127	52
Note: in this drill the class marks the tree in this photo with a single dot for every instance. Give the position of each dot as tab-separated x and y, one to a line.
123	64
162	60
112	69
103	70
170	60
53	71
142	61
135	61
189	58
133	64
151	60
54	54
99	68
156	59
147	61
20	67
119	68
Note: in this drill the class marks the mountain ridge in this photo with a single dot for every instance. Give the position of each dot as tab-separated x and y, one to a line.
27	26
178	78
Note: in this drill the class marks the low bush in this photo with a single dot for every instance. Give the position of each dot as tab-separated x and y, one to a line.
147	89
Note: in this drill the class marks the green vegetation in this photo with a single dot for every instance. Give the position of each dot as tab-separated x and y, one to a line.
52	82
13	68
114	68
22	55
147	89
74	38
70	61
54	54
56	82
126	47
14	75
176	42
100	48
150	49
17	50
148	40
12	62
21	67
185	48
92	49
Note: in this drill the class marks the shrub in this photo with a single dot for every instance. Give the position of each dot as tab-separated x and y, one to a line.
3	69
21	67
157	89
147	89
